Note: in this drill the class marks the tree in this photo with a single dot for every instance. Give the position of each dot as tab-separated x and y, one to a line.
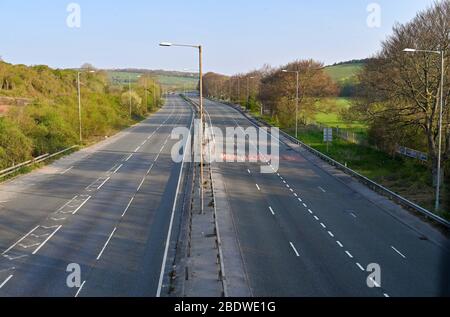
278	90
136	102
399	92
87	66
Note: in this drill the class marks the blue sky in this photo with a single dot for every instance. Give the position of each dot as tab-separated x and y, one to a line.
238	35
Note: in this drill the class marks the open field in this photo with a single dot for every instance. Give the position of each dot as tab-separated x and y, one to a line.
344	72
167	81
331	118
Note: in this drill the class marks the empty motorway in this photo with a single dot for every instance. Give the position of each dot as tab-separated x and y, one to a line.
106	208
304	231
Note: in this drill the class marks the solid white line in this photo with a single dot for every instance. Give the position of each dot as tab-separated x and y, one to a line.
99	187
169	232
128	207
46	240
349	254
142	183
295	250
340	244
331	234
6	281
106	244
64	172
137	149
401	254
79	290
128	158
271	210
117	169
21	239
257	186
81	206
360	266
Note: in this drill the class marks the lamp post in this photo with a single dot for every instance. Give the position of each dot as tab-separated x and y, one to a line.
239	90
248	90
200	62
441	106
296	98
129	91
79	104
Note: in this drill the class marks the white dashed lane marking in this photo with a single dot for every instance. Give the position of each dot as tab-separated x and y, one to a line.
79	290
398	252
360	267
271	210
295	250
6	281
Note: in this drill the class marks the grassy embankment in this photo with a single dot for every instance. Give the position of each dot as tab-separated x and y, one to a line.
48	122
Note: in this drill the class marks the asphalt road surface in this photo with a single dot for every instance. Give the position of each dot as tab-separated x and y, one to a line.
108	212
303	232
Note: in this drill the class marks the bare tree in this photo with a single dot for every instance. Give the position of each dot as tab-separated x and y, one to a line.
400	91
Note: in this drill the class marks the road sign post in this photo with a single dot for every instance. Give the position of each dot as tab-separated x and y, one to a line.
328	136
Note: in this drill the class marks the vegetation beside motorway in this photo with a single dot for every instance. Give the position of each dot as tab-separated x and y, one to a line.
49	121
407	177
391	99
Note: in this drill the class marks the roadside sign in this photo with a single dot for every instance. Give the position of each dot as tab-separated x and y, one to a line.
327	135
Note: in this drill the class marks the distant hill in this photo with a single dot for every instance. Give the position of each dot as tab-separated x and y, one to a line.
168	79
345	74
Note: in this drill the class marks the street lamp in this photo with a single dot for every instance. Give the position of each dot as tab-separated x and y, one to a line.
248	89
79	103
296	98
441	53
200	58
129	91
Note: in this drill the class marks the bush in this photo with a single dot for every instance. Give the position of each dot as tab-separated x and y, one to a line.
15	147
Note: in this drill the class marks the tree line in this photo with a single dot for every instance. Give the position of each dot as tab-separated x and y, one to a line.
397	94
273	91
